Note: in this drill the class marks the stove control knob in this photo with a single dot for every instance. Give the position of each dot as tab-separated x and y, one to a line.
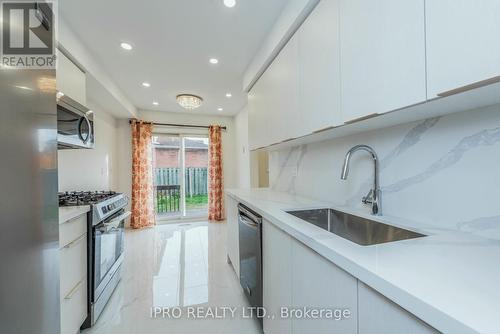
110	207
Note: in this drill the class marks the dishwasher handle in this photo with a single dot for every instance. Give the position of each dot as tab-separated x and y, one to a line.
245	212
248	222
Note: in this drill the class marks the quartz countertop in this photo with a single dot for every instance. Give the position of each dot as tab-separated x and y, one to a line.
69	212
449	279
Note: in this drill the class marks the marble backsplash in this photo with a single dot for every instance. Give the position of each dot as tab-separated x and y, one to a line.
442	172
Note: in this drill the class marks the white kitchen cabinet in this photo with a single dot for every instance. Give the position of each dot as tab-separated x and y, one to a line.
282	99
296	277
233	244
318	283
277	273
382	56
70	79
319	63
274	100
73	273
378	314
462	43
258	124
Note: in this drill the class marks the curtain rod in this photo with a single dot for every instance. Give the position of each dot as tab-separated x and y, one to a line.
182	125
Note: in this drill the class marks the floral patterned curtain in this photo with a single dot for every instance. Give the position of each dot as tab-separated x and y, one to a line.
215	179
142	175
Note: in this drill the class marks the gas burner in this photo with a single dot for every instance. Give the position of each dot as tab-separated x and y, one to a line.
84	197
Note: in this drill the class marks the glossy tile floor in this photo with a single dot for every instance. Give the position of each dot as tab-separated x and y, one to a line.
182	265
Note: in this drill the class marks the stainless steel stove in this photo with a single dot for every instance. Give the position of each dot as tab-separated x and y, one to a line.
105	224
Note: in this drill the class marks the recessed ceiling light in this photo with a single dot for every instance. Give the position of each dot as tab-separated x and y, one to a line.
155	103
214	61
228	95
230	3
146	84
126	46
220	109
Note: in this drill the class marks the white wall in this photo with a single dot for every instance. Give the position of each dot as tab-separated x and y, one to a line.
125	148
95	169
242	154
441	172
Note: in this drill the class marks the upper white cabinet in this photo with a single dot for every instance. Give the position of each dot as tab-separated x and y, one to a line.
70	79
233	243
299	92
283	96
274	100
378	314
382	56
463	45
319	62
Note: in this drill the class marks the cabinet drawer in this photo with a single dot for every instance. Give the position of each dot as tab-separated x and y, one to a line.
74	308
72	230
73	264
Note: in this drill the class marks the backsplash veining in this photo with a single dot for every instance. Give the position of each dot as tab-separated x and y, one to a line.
441	171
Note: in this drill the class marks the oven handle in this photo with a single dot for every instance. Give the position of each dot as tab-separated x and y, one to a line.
114	223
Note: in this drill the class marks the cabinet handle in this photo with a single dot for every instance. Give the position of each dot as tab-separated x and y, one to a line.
74	242
325	129
74	290
362	118
74	219
471	86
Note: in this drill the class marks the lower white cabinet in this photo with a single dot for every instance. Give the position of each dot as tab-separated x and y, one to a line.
73	273
74	308
319	284
378	314
277	273
297	278
233	238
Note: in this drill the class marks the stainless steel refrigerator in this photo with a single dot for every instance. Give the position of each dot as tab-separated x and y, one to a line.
29	234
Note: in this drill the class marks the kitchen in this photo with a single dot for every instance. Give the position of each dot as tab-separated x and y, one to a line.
291	166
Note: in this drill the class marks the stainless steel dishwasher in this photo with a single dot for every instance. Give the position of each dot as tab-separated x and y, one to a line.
250	234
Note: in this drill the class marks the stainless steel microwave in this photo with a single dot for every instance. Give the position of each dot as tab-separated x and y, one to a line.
75	124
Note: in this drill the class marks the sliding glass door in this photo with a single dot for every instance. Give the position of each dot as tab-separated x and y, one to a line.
180	176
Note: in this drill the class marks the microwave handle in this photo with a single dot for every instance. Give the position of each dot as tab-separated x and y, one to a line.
85	140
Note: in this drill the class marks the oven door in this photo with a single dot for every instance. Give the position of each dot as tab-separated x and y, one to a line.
108	250
75	124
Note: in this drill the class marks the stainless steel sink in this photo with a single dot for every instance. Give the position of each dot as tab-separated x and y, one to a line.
356	229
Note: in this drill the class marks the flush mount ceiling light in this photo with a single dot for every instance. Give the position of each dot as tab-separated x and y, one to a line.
229	3
146	84
214	61
228	95
220	109
155	103
188	101
126	46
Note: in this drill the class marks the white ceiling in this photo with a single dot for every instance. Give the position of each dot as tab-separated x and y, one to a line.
173	41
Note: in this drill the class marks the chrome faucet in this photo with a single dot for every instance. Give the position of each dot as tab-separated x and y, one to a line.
374	196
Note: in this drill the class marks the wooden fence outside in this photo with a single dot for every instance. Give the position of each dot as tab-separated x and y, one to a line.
196	179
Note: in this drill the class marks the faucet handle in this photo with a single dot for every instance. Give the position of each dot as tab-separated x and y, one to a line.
368	199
